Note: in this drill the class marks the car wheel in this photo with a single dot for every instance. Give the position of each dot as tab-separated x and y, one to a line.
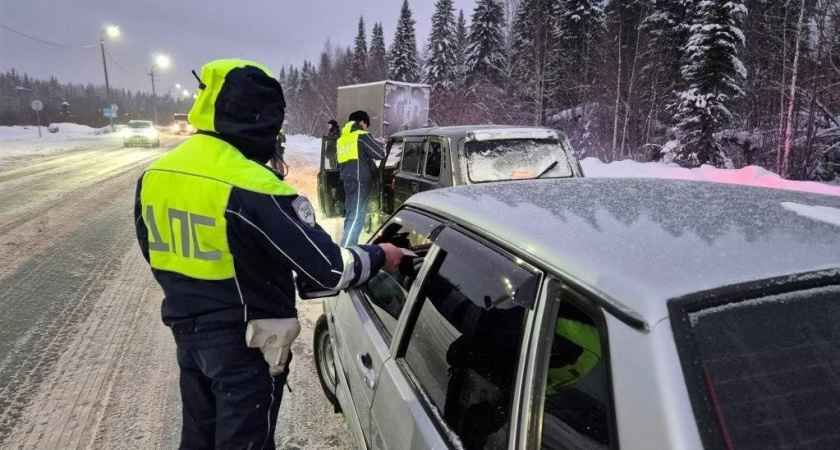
157	144
125	144
325	361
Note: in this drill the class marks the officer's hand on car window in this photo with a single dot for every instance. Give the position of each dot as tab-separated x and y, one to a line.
393	257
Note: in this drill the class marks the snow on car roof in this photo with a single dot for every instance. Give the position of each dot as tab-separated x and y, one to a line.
485	131
639	242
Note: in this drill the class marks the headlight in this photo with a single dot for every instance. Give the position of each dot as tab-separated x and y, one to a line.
151	134
125	133
174	128
190	128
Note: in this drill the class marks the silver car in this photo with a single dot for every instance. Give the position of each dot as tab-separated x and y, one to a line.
595	314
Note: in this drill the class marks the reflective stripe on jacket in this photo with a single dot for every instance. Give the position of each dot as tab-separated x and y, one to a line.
224	235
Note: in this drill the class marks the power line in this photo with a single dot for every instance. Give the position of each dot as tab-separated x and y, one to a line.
45	42
113	60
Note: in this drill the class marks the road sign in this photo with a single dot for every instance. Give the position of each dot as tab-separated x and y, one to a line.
37	105
110	113
115	107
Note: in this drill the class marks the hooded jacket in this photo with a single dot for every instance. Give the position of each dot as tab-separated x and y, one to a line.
367	150
224	235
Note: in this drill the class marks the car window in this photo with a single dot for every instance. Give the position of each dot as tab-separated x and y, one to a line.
575	412
385	294
463	348
140	124
515	159
433	159
395	154
768	369
412	159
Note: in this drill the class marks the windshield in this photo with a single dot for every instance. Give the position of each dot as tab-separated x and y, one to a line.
140	124
516	159
180	117
771	368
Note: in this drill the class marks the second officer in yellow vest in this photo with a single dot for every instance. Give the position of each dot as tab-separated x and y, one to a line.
356	152
225	237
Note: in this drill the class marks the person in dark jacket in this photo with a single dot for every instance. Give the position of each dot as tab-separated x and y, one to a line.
332	129
357	151
225	236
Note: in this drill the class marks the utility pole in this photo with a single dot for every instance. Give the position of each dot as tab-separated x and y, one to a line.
161	61
114	32
154	95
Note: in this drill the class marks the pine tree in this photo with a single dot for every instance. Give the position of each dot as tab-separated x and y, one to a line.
714	73
403	64
439	69
378	57
360	54
462	41
486	51
536	53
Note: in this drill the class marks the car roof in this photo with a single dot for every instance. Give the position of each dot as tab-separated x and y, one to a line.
461	131
641	242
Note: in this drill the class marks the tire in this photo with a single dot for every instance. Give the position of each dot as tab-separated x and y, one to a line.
324	362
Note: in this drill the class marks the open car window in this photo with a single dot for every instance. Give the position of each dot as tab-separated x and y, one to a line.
386	293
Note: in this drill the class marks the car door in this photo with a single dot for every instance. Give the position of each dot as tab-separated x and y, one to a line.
330	186
408	178
366	316
453	377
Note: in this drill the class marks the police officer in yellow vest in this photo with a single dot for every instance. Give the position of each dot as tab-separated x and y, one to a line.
356	152
225	237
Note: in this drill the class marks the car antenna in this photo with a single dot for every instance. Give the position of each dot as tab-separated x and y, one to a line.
201	84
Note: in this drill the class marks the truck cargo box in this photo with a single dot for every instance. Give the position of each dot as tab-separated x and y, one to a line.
393	106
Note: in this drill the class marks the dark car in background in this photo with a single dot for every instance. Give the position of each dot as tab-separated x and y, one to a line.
433	158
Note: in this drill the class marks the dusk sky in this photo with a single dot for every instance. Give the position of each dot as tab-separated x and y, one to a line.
191	32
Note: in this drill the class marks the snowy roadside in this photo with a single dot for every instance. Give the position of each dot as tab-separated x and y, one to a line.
19	141
751	175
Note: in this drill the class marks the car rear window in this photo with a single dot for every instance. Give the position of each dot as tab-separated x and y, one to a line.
770	369
514	159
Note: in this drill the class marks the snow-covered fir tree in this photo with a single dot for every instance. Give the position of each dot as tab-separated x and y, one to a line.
439	68
462	41
486	51
668	29
360	54
378	55
536	52
714	75
578	24
402	64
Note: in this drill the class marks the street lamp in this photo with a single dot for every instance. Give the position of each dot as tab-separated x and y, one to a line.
160	62
112	31
175	86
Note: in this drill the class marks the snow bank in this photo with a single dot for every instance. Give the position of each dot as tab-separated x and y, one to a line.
65	131
751	175
23	140
304	146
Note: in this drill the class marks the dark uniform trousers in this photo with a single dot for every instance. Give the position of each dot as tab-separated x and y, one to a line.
356	207
230	401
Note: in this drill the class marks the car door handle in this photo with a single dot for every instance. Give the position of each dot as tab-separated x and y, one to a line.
365	363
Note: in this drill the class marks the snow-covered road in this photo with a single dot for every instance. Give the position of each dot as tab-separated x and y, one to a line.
84	359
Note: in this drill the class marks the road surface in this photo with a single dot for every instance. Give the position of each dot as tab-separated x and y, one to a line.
84	360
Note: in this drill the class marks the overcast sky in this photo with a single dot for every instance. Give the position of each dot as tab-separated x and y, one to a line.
191	32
